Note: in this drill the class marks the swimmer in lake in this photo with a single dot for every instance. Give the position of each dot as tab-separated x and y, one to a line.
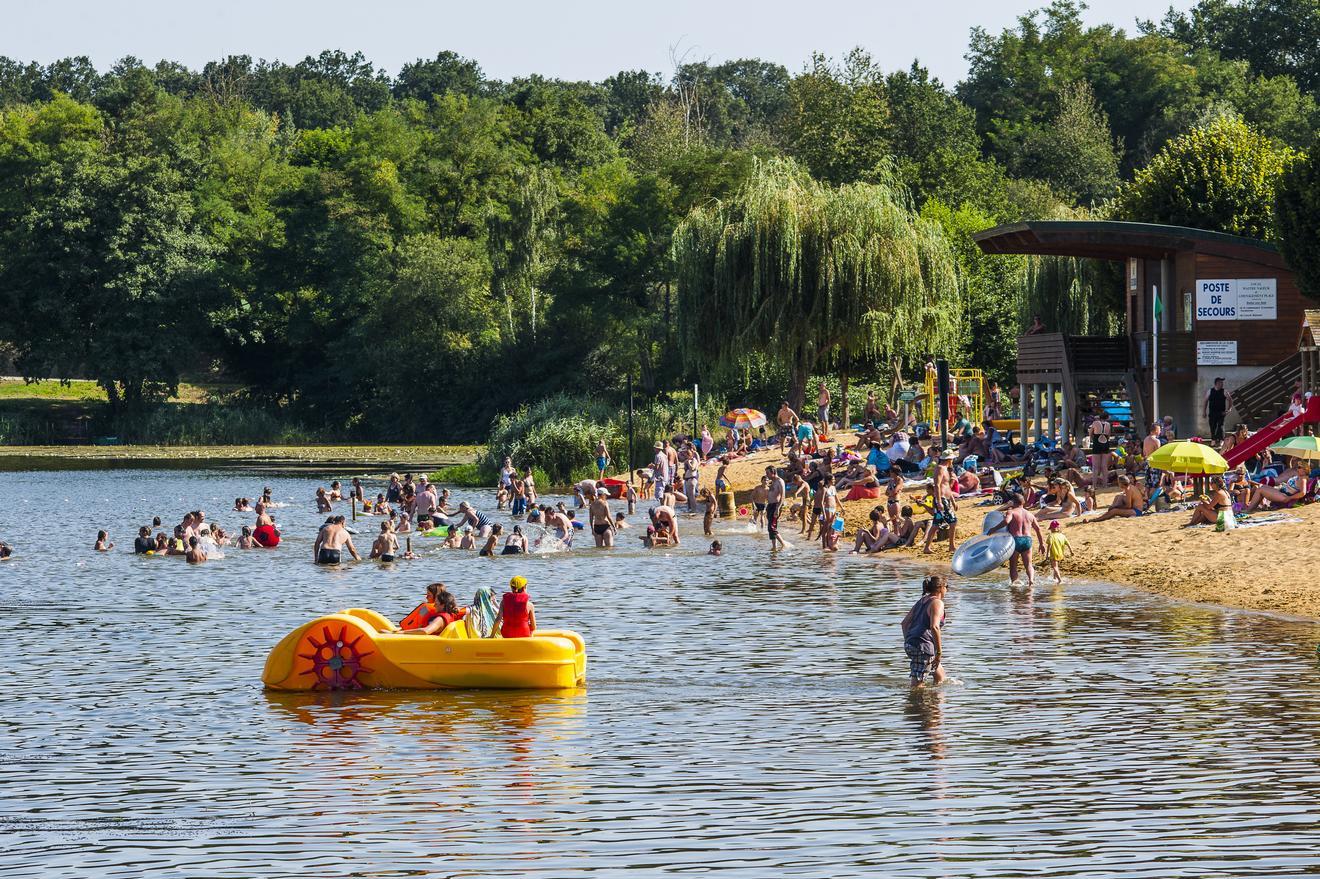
195	554
386	546
103	543
331	541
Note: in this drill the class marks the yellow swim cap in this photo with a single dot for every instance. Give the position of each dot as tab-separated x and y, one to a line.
518	584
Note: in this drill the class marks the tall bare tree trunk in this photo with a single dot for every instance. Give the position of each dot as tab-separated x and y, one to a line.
844	420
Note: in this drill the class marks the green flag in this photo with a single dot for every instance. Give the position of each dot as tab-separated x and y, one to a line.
1159	307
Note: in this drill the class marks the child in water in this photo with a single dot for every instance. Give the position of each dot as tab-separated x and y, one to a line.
716	548
245	539
103	543
708	499
1056	548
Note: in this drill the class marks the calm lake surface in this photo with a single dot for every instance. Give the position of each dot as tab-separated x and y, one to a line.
744	716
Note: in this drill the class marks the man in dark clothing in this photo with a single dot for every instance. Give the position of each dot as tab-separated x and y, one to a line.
1217	403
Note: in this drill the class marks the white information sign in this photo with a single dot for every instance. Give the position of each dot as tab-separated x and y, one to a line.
1237	299
1257	299
1217	353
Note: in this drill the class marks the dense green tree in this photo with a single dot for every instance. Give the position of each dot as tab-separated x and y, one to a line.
104	262
445	73
990	284
1075	153
837	120
735	103
1276	37
1220	177
1297	217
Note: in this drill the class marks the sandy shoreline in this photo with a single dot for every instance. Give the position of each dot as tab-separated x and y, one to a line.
1270	567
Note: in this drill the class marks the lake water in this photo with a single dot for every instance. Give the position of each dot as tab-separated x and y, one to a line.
744	716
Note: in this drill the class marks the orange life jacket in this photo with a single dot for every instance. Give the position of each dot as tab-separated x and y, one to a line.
421	616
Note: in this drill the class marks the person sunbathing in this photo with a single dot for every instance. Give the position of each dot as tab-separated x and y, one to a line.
868	538
858	473
1060	502
1127	503
903	532
1207	511
1289	488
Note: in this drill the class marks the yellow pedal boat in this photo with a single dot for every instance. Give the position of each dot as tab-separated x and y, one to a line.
360	649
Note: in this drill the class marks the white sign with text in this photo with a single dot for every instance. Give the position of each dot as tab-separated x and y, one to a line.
1216	353
1237	299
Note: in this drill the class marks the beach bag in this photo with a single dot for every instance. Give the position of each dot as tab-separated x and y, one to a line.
838	524
1226	521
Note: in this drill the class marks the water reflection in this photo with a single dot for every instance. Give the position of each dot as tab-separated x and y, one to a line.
747	716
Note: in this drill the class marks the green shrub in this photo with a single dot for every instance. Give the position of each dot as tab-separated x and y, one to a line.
208	424
26	429
556	435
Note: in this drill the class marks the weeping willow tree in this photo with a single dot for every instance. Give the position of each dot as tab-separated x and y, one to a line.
519	238
806	273
1078	297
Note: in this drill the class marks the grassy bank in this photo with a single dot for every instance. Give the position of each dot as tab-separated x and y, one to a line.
427	455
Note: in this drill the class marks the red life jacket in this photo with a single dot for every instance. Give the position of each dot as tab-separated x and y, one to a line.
450	618
515	621
421	616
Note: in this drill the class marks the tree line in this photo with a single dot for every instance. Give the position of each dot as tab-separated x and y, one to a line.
408	255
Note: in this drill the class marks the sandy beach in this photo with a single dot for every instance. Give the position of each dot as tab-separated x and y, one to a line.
1270	567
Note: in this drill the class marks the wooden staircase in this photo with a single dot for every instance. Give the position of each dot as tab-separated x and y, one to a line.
1259	401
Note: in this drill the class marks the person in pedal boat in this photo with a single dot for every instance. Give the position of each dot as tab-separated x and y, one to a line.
431	617
517	617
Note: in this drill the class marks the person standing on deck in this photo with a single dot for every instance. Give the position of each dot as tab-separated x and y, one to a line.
1217	403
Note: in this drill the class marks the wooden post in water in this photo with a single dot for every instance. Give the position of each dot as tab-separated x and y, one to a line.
632	467
352	505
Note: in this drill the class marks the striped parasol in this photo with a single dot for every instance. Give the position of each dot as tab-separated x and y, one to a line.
743	419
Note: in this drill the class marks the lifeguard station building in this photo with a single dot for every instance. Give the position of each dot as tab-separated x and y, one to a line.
1229	307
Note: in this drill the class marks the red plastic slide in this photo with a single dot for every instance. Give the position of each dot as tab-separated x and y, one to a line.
1273	432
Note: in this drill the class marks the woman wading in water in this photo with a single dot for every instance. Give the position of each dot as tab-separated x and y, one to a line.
922	639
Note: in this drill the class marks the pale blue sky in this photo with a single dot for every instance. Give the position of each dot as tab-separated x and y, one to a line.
572	39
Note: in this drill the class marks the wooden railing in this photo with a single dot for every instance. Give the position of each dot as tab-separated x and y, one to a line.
1177	353
1258	401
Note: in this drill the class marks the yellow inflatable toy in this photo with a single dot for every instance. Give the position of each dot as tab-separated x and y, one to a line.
360	649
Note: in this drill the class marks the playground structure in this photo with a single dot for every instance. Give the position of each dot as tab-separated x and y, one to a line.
966	394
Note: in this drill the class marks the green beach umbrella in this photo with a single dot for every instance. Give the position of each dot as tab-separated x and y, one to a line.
1307	447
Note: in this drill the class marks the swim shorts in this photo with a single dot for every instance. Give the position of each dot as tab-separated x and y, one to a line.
600	464
1022	544
760	508
772	520
920	665
328	557
512	550
387	557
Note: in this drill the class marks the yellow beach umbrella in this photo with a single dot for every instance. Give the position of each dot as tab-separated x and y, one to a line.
1184	456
